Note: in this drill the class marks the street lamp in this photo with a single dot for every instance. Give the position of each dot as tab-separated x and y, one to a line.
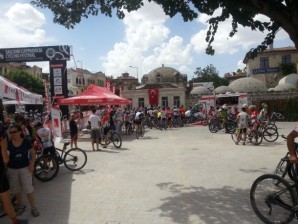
137	71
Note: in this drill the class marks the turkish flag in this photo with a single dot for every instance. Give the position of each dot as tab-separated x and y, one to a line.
153	96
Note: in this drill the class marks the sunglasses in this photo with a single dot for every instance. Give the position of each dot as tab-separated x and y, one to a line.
13	132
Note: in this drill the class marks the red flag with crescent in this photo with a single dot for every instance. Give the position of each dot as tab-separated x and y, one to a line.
153	96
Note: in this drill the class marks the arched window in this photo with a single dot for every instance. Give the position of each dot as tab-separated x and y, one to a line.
158	78
176	77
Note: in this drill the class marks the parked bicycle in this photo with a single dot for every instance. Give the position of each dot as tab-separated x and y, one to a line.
215	125
276	117
253	136
47	166
113	137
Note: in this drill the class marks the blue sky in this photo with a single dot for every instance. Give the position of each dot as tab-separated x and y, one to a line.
145	39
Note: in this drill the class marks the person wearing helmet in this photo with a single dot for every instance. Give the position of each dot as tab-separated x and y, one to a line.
263	113
242	120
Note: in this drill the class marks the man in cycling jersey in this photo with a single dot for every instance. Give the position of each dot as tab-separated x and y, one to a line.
139	118
291	144
263	113
44	136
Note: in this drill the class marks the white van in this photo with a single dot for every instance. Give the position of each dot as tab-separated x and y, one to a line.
232	100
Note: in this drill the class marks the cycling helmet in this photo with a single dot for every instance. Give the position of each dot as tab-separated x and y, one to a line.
224	107
264	105
252	107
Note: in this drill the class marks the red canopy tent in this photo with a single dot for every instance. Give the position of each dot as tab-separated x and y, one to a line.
94	95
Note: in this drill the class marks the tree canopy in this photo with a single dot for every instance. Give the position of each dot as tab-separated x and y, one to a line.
210	74
26	81
282	13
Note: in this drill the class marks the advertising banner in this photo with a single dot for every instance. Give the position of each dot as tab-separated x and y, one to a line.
208	85
29	54
56	122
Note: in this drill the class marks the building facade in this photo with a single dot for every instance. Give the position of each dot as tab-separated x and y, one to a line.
266	66
169	82
14	66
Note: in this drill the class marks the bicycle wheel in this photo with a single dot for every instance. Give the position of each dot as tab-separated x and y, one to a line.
46	167
273	203
213	126
256	137
270	134
138	134
234	136
116	139
75	159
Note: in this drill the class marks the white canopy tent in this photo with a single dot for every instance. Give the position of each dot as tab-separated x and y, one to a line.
10	91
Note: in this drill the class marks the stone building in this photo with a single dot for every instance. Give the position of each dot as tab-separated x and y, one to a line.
171	85
78	79
15	66
265	67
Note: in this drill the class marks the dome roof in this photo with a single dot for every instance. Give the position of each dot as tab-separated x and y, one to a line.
166	74
200	90
248	85
291	79
222	90
283	87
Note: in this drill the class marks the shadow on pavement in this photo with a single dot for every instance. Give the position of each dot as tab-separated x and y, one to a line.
212	206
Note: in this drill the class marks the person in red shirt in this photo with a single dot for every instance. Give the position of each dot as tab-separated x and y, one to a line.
253	116
105	120
182	111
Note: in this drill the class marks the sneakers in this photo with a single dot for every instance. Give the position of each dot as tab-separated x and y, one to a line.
243	143
20	210
35	212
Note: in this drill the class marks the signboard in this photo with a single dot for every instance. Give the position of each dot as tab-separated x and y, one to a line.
265	70
208	85
29	54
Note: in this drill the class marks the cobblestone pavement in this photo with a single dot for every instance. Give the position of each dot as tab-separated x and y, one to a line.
184	175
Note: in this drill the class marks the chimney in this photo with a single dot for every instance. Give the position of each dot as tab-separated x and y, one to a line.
271	47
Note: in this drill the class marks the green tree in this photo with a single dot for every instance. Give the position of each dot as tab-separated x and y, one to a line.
26	81
282	13
210	74
287	68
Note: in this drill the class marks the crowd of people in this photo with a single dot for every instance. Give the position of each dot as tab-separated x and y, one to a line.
18	134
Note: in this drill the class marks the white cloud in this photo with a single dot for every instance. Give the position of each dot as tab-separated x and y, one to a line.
146	44
240	64
244	39
171	53
21	26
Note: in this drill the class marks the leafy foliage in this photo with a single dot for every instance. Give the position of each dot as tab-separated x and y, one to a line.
287	68
282	14
210	74
26	81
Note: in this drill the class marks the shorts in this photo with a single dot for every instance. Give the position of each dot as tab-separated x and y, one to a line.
137	121
4	184
20	180
74	137
50	150
95	134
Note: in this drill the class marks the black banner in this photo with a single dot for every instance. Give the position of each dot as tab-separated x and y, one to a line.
29	54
